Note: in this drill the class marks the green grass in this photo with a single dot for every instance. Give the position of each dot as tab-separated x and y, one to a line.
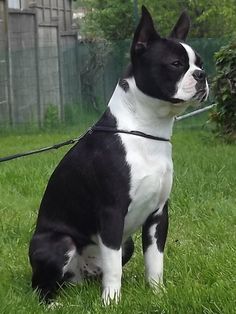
200	256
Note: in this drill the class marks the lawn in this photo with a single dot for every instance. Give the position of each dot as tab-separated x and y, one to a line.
200	256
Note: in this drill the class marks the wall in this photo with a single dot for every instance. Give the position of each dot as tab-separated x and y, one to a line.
48	62
4	108
39	52
23	77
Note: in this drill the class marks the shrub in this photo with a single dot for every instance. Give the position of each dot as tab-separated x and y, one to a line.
224	88
51	117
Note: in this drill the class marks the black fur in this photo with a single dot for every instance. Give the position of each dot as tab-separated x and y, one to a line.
88	193
153	57
81	199
161	222
127	250
48	256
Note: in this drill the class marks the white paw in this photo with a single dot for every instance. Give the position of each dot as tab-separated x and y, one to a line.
110	294
156	284
54	305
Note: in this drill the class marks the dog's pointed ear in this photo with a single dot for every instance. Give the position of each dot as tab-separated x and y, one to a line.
145	33
182	27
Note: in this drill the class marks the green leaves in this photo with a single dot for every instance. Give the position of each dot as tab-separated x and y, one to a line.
115	19
212	18
112	20
224	87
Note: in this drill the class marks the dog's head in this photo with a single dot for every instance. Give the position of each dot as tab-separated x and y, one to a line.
167	68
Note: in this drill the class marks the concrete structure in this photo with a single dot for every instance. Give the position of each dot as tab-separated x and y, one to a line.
34	37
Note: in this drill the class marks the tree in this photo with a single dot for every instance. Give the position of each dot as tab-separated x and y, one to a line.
212	18
109	19
225	92
114	19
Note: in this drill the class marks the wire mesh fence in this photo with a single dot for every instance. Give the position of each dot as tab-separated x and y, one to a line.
55	80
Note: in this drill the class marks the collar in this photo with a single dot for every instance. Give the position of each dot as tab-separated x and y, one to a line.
107	129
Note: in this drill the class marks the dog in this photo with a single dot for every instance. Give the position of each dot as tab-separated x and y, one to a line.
118	177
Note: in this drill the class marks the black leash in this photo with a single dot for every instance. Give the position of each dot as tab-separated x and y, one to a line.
41	150
73	141
137	133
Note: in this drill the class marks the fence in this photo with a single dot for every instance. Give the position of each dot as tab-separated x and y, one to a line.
31	50
45	75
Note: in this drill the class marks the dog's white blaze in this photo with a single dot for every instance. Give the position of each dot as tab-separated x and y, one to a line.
186	87
191	55
153	260
193	67
150	161
111	261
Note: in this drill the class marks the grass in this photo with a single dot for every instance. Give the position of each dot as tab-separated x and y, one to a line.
200	256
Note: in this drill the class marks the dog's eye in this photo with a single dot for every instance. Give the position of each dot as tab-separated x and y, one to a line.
177	64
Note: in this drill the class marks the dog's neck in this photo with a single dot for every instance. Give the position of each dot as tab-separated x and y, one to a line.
136	111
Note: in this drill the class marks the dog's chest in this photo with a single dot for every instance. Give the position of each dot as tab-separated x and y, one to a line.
150	178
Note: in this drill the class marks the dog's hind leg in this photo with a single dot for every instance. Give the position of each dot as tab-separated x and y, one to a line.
127	250
50	254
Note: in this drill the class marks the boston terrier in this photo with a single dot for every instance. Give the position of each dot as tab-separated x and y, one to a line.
118	177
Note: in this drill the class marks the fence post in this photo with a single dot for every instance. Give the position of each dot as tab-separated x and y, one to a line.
9	66
39	107
60	73
77	51
33	6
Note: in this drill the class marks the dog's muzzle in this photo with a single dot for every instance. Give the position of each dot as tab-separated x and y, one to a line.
202	89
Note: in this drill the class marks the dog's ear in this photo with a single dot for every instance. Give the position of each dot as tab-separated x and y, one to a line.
181	28
145	33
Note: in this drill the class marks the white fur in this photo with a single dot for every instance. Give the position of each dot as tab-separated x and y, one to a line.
153	261
186	88
72	266
151	172
112	272
53	306
86	264
150	161
94	260
90	263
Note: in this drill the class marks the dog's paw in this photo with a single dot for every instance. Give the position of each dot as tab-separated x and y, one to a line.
156	284
110	294
54	305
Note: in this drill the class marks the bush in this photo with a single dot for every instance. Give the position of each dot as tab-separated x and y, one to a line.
51	117
224	88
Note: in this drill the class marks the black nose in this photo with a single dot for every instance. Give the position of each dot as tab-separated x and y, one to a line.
199	75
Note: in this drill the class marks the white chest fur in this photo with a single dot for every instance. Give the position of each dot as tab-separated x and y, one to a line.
150	161
150	178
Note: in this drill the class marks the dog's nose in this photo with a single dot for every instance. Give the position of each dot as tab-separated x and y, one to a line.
199	75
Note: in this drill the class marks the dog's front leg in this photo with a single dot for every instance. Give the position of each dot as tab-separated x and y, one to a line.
110	239
154	235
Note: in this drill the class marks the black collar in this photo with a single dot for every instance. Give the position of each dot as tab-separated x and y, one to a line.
102	128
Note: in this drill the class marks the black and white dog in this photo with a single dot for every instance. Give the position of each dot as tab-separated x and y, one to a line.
110	183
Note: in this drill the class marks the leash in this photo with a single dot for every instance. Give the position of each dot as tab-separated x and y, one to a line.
73	141
136	133
40	150
103	129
